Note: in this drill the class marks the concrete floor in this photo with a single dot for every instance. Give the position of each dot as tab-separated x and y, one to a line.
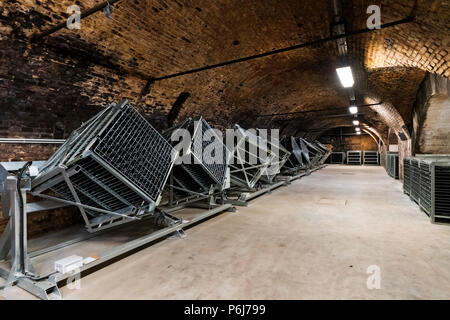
314	239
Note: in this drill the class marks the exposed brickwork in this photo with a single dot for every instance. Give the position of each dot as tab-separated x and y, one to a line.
26	152
46	221
432	116
348	143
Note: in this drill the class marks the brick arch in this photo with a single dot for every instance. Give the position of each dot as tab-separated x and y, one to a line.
376	127
432	116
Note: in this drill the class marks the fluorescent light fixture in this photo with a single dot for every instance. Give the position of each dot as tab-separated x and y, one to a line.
357	129
359	132
356	122
353	109
346	76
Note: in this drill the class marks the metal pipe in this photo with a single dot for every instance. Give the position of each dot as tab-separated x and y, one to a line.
291	48
318	110
79	204
323	117
345	134
31	141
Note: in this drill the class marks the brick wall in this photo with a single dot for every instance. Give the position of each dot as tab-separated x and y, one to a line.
348	143
431	116
47	93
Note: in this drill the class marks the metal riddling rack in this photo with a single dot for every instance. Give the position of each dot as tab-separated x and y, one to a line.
371	158
199	172
425	185
354	157
407	175
440	209
295	160
250	158
281	157
324	150
392	164
305	152
113	168
315	153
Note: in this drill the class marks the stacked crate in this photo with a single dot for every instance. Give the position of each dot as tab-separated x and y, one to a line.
427	181
354	157
392	164
407	175
415	180
370	158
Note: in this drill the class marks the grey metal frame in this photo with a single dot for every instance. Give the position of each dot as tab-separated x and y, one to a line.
407	175
316	154
421	184
13	243
295	161
392	164
243	173
113	168
354	157
325	152
371	157
269	173
444	184
302	143
199	180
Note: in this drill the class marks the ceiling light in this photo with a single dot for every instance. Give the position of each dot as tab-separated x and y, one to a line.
356	122
359	132
346	77
357	129
353	109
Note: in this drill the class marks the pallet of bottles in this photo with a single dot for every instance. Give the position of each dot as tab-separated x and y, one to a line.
427	182
354	157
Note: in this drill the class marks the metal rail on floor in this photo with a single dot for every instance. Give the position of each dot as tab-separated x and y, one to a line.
142	241
243	197
22	273
14	240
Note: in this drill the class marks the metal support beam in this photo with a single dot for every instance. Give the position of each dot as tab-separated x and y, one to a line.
31	141
317	110
21	266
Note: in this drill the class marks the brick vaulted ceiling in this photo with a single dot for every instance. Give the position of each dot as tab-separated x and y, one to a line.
153	38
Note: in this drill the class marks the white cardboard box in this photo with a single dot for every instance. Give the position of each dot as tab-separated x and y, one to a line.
68	264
